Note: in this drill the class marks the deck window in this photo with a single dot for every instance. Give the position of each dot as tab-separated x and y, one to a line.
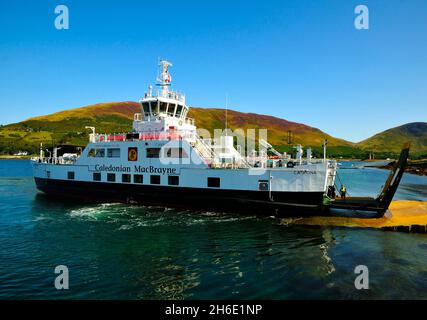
70	175
138	178
96	153
263	185
113	152
214	182
97	176
173	180
111	177
125	178
153	152
155	179
175	153
178	111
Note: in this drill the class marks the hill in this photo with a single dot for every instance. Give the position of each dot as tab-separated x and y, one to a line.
392	139
67	127
277	128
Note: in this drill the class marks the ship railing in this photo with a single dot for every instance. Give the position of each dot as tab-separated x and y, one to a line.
211	154
151	135
257	161
170	95
186	120
52	160
205	151
155	116
264	161
243	160
306	162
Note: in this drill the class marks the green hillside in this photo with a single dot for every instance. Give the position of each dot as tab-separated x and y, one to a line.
68	127
392	139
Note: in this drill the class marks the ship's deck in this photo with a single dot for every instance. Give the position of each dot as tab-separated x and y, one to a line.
354	203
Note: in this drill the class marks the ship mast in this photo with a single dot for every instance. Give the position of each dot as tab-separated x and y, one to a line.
164	78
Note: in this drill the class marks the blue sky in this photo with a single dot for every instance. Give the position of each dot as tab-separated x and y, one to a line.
301	60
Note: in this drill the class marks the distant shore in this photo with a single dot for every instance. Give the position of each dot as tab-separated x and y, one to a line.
418	167
9	157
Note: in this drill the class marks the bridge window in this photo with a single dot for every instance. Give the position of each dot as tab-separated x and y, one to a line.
163	107
178	111
96	153
153	152
173	180
146	108
155	179
154	106
171	108
214	182
113	153
97	176
138	178
125	178
70	175
111	177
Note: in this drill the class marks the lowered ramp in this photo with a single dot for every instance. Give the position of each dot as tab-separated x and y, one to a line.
373	207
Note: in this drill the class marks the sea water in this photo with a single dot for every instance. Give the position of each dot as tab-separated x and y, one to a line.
117	251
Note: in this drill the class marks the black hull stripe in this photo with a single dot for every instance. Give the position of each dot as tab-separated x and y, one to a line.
184	197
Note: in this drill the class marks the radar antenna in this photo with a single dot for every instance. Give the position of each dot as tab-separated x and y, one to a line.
164	78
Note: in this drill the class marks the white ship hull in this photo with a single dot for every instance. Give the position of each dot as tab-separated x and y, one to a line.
147	181
164	161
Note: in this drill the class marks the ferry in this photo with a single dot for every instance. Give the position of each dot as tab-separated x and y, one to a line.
164	161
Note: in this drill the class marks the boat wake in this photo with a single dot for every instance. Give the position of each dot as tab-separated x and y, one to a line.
98	212
131	217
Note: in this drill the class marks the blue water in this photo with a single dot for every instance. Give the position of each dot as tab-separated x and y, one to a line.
116	251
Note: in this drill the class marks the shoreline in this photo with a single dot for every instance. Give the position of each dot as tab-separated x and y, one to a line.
6	157
419	169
